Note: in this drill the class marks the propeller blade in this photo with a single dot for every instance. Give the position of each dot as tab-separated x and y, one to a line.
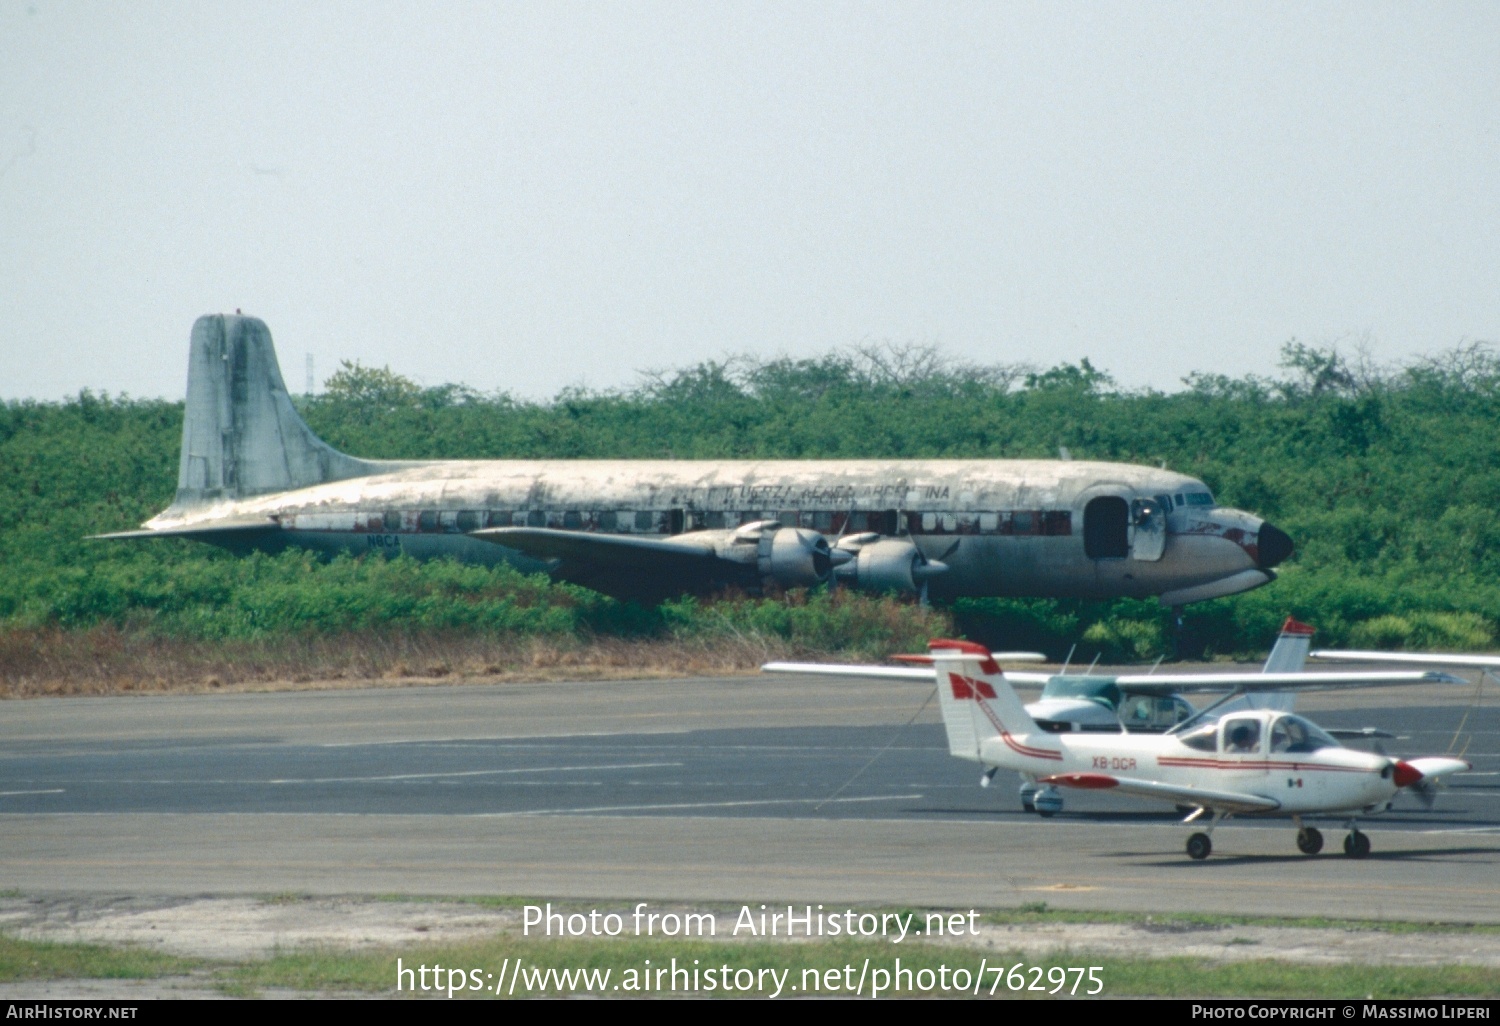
928	569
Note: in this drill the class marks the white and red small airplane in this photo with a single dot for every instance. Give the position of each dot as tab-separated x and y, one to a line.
1249	762
1152	702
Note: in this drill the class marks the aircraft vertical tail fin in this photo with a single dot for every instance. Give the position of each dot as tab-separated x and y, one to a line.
241	436
1289	654
977	701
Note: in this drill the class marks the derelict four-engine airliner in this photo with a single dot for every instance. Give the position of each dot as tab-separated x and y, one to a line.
254	476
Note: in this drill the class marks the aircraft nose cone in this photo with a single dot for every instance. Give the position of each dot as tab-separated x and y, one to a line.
1275	546
1406	774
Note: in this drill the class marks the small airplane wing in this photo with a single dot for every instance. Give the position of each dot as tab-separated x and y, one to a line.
1178	794
1487	662
1251	683
611	563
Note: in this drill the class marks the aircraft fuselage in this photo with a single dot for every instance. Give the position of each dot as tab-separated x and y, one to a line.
1003	527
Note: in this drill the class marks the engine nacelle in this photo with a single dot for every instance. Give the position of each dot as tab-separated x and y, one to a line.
794	557
891	564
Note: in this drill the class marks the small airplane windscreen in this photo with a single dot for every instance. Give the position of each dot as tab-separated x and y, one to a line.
1098	689
1295	735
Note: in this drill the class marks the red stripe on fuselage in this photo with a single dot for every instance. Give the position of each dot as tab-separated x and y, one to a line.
1218	764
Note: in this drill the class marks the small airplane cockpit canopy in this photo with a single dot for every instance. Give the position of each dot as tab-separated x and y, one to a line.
1245	734
1094	689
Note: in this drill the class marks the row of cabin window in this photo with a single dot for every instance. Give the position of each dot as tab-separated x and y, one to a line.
1018	522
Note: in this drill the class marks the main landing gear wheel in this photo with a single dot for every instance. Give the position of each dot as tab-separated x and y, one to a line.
1356	845
1199	846
1310	841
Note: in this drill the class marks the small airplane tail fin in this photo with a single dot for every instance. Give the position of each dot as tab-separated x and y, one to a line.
977	701
1289	654
241	436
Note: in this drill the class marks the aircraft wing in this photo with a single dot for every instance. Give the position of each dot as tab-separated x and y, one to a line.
1414	658
1251	683
611	563
1201	797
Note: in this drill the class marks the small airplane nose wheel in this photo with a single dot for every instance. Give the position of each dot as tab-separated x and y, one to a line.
1310	841
1199	846
1356	845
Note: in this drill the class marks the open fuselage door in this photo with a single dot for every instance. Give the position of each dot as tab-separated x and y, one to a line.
1118	528
1148	529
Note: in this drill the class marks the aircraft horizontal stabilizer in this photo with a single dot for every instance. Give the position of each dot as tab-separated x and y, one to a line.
868	672
1178	794
197	529
876	672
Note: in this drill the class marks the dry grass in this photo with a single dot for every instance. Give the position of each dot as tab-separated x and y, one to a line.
108	661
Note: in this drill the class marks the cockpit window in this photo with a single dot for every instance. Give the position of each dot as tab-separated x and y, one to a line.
1199	499
1242	736
1294	735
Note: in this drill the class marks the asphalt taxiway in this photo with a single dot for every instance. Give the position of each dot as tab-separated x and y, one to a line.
739	789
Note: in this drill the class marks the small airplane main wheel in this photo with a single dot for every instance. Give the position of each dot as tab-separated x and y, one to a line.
1027	807
1199	846
1310	841
1356	845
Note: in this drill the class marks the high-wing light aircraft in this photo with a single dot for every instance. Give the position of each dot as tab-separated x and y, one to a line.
1149	702
254	476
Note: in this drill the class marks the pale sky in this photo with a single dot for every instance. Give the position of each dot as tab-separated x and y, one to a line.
534	195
